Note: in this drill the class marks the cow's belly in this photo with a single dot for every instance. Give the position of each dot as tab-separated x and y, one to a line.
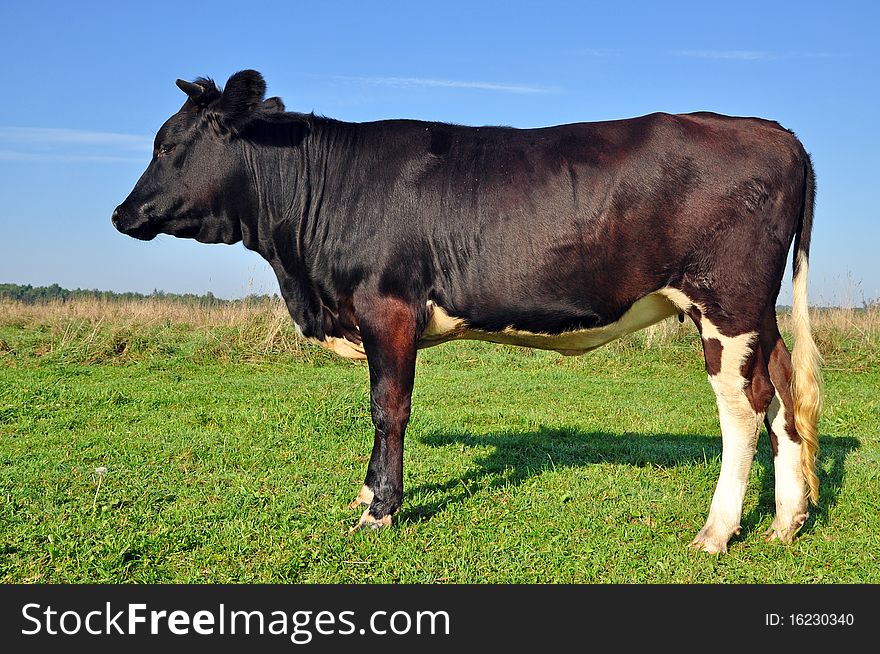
443	327
646	311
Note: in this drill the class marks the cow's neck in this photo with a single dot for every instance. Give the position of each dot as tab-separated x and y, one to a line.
292	225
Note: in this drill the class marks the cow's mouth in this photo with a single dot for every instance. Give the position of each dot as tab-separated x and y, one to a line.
142	232
145	235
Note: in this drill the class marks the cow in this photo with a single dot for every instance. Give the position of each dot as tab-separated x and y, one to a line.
395	235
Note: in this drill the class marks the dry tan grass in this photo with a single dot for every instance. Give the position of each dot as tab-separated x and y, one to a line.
94	329
834	321
107	328
848	338
147	312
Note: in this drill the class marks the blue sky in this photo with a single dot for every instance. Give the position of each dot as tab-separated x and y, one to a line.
86	85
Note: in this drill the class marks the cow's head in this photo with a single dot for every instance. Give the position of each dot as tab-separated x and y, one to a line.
196	185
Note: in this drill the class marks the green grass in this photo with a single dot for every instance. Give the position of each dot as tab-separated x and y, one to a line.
234	463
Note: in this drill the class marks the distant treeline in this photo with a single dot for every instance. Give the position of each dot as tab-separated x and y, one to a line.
40	294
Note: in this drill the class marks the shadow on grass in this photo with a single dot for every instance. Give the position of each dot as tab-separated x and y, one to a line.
517	456
833	451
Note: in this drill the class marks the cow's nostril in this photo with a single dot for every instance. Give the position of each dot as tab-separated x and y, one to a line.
115	218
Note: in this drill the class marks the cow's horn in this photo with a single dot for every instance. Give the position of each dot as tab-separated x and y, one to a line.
194	91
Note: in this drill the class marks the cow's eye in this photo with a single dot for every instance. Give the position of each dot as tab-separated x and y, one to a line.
165	148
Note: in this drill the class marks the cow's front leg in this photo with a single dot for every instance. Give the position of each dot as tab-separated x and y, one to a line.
389	330
366	494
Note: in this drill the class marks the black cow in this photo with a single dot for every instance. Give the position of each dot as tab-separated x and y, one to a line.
391	236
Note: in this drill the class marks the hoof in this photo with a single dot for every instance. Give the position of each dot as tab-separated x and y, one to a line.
363	499
369	523
785	530
712	541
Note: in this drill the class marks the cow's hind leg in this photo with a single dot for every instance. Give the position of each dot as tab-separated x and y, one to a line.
791	495
738	373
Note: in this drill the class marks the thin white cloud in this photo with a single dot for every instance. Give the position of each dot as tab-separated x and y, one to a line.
755	55
741	55
59	136
63	145
405	82
48	157
599	53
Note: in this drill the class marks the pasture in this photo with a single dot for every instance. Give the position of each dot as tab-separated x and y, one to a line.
155	441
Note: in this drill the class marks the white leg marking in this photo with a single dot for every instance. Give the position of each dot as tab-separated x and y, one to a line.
369	523
364	498
791	498
740	425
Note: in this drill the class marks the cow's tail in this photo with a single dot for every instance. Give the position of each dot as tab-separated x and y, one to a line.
806	382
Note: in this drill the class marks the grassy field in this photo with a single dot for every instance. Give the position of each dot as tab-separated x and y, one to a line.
159	442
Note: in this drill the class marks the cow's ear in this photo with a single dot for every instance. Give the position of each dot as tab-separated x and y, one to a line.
273	104
243	93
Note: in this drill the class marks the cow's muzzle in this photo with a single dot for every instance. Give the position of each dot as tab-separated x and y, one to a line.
134	226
